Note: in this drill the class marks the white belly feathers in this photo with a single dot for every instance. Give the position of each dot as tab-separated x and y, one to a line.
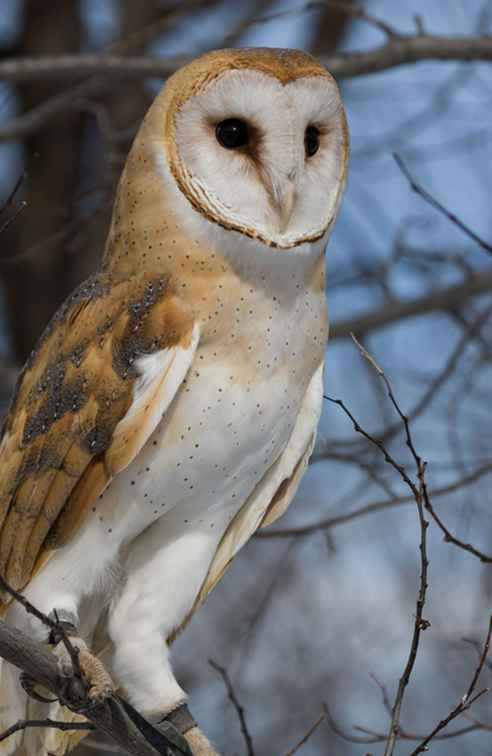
215	443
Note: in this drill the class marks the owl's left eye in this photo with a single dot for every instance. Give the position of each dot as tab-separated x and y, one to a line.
311	140
232	133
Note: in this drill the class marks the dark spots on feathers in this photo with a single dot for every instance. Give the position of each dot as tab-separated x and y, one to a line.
60	398
97	440
139	339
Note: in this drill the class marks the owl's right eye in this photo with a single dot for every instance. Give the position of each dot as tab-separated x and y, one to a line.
232	133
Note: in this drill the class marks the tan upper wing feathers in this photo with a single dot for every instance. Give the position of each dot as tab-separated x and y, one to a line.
56	453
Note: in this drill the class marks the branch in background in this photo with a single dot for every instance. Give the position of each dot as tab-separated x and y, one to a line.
418	189
438	301
471	331
234	700
398	50
371	736
308	734
420	494
465	702
375	506
9	202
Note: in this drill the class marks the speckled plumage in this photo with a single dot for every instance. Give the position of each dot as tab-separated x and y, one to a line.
171	406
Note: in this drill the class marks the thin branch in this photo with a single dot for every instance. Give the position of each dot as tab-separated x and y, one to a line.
234	700
338	730
419	492
357	12
9	203
371	736
24	724
308	734
73	98
418	189
466	701
52	624
375	506
448	536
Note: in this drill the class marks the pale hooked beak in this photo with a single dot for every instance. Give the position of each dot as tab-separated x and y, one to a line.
285	204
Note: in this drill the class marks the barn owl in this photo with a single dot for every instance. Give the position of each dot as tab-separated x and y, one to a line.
171	406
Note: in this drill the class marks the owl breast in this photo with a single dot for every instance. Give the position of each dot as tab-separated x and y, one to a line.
230	421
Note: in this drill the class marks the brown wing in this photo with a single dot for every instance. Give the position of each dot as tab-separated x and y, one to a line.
75	420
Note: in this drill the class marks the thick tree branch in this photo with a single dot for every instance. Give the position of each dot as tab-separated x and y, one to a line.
401	50
396	51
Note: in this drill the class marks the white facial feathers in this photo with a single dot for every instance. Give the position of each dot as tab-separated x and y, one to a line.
272	188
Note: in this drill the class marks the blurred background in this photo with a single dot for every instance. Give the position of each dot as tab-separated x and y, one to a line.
320	609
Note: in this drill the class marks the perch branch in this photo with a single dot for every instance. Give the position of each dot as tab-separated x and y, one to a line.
113	717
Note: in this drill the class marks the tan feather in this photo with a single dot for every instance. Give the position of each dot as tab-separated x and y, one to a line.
63	436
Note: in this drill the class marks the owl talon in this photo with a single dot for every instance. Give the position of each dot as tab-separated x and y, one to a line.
100	683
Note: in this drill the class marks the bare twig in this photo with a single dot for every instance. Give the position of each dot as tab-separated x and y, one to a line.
53	624
448	536
74	97
307	735
371	736
234	700
375	506
9	203
419	492
347	735
24	724
418	189
357	12
465	702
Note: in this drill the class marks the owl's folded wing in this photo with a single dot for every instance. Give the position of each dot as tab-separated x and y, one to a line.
103	374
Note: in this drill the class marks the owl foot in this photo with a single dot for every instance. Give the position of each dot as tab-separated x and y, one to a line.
100	683
182	731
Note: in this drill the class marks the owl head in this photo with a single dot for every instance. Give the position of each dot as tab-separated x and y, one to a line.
253	141
257	142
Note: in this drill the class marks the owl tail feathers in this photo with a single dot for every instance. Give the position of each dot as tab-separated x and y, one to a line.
15	705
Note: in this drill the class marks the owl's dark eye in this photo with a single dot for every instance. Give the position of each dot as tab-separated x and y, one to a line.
232	133
311	140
